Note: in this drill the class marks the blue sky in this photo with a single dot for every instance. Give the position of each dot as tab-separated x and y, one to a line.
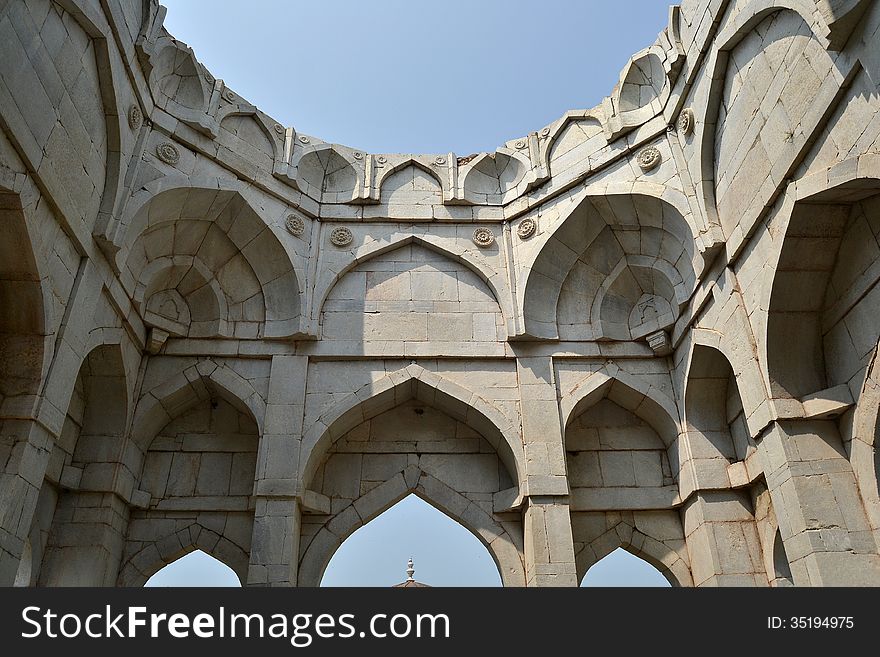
421	77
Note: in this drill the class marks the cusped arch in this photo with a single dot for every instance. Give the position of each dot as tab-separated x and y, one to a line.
471	260
666	560
412	382
243	241
412	480
148	560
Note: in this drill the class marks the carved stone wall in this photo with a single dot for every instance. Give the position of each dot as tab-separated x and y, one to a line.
651	324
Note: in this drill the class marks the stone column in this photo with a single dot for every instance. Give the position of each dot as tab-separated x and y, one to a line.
275	543
722	539
549	547
87	540
822	520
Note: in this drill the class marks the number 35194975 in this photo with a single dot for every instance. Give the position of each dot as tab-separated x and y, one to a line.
810	623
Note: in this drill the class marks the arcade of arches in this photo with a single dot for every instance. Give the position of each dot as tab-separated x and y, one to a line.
650	325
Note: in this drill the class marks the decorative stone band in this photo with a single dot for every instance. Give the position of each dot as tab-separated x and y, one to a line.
295	225
526	228
168	153
649	158
341	236
483	237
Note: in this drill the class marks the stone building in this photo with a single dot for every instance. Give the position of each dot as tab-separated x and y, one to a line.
651	324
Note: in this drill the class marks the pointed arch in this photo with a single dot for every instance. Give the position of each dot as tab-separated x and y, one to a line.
328	174
413	382
153	555
473	261
218	220
743	23
629	392
493	178
390	169
656	537
412	480
23	325
193	384
611	221
803	318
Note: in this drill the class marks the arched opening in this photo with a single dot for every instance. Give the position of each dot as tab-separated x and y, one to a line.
22	321
87	471
716	432
195	569
198	470
622	568
445	553
423	435
821	328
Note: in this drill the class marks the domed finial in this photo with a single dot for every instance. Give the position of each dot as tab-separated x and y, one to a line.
410	571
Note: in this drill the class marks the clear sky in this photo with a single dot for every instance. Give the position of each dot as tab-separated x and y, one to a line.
413	76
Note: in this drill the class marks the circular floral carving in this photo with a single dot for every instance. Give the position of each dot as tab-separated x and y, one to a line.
686	122
303	139
440	160
209	78
358	155
526	228
381	160
295	225
279	128
135	117
341	236
649	158
520	143
483	237
229	95
545	132
168	153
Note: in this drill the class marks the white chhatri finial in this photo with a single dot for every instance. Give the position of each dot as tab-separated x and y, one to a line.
410	571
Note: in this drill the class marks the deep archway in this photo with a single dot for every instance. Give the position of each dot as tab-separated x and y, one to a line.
622	568
196	568
445	553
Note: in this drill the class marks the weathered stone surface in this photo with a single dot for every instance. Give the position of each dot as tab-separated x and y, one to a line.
218	333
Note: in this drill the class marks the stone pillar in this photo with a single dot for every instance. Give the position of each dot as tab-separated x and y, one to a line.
722	539
87	540
25	446
549	547
275	543
821	517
